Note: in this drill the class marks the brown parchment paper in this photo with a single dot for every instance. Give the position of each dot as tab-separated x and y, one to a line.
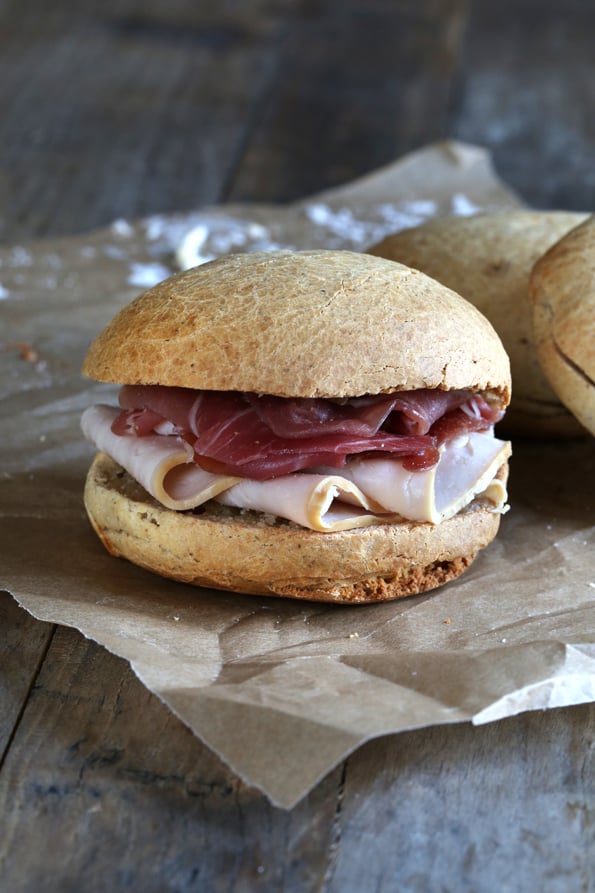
283	690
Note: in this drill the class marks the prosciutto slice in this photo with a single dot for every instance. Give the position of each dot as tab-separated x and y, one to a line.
261	437
246	446
292	417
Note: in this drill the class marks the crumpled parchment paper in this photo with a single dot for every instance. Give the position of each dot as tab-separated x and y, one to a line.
283	690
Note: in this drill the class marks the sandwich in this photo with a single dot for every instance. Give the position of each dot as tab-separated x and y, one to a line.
312	425
487	258
563	294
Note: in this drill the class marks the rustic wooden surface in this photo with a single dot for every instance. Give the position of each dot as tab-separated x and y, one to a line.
124	108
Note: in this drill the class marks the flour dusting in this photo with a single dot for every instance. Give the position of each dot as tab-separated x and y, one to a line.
147	275
122	228
463	206
20	257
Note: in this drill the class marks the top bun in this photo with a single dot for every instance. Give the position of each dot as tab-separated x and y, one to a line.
302	324
563	292
487	258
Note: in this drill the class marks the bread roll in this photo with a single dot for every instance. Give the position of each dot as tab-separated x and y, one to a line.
488	259
563	293
301	324
249	552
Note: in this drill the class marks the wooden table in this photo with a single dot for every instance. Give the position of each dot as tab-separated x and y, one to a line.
124	108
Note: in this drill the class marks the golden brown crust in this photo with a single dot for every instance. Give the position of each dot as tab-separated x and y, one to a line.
249	552
306	324
563	294
487	259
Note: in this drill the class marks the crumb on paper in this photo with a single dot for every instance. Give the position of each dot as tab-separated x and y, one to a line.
147	275
190	252
354	635
26	351
463	206
122	228
115	252
212	237
345	228
448	621
20	257
54	261
342	224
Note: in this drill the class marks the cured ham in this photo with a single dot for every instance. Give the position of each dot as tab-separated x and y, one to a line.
260	437
302	418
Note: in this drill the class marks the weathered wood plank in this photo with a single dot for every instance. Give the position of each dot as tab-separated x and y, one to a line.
503	807
99	762
23	643
103	783
357	86
125	109
140	110
526	92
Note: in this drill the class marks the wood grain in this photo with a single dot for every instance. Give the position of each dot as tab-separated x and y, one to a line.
357	86
23	645
100	763
507	806
115	790
525	91
125	109
137	109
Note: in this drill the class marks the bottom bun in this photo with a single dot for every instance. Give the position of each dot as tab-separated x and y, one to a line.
245	551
